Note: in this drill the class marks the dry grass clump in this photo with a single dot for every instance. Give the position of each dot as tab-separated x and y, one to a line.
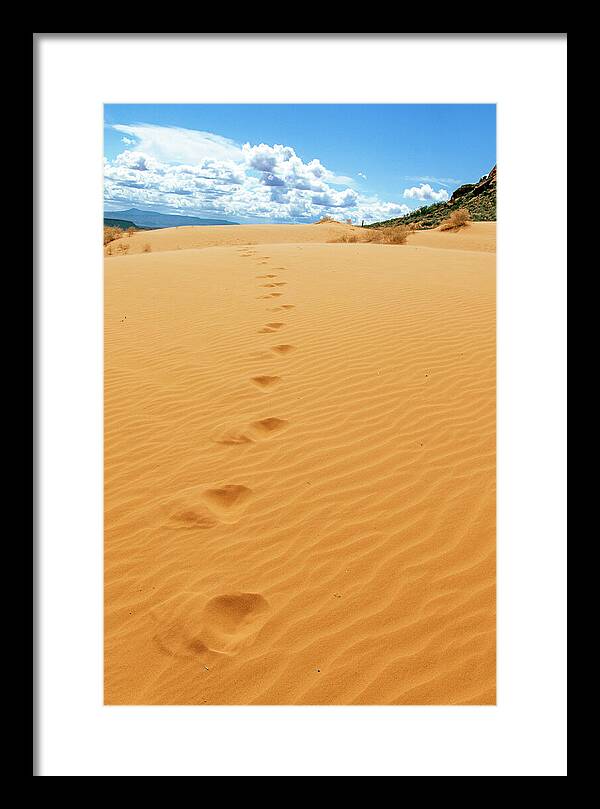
130	232
114	249
326	219
391	235
373	235
457	219
146	248
395	235
110	234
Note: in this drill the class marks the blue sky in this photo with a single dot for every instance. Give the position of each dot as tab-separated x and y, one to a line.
293	163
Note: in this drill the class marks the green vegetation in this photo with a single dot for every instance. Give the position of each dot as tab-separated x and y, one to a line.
479	199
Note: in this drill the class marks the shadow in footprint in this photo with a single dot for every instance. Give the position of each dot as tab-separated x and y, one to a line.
284	348
234	438
228	499
268	426
265	381
221	626
270	328
194	518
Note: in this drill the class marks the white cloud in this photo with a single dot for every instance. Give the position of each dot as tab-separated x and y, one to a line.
360	174
173	144
128	141
439	180
425	192
207	174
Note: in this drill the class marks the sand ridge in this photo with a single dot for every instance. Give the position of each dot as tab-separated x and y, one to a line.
479	236
300	490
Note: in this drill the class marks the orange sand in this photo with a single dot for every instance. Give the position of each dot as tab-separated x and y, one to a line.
300	468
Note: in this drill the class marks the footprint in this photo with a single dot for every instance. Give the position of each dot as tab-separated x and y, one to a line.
227	500
256	431
229	613
194	518
270	328
233	438
268	426
194	630
284	348
280	283
270	275
202	510
268	286
265	381
287	306
269	295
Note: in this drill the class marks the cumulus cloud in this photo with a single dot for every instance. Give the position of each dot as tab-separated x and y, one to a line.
360	174
128	141
207	174
425	192
283	163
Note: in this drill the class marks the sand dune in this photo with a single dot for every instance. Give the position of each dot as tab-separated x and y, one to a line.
300	479
479	236
187	238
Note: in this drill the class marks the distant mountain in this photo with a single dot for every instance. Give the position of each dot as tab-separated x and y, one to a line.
478	198
152	219
123	224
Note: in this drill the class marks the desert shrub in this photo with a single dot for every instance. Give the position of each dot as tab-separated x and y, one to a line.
122	247
324	219
109	250
373	235
110	234
395	235
147	248
346	238
130	232
390	235
457	219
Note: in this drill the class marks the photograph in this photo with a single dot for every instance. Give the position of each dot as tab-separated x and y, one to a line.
299	404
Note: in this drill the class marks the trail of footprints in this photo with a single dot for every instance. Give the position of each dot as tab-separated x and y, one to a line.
267	427
199	629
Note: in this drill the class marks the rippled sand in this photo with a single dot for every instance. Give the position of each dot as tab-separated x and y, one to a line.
300	468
